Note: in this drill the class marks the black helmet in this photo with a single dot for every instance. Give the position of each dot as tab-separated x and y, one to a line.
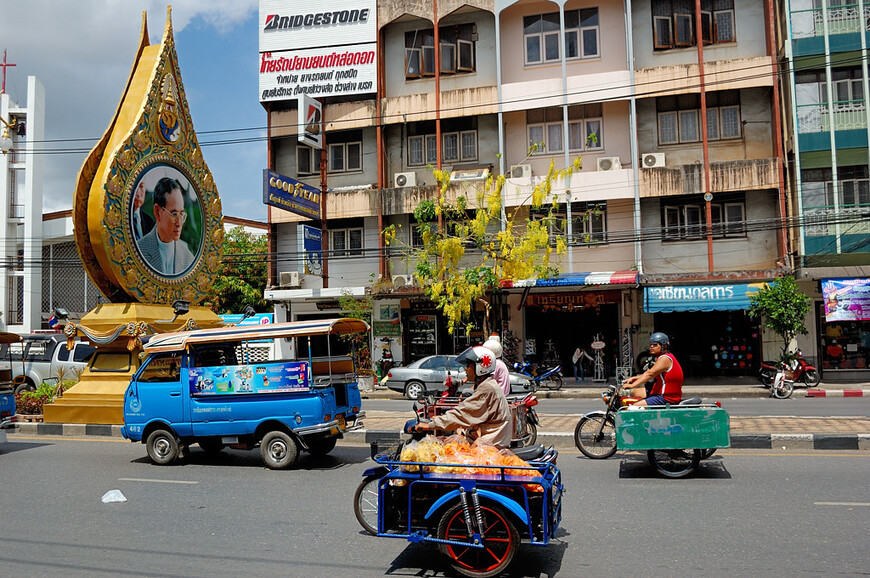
660	338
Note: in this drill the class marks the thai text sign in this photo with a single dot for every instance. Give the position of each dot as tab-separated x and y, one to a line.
247	379
846	299
699	297
290	195
321	51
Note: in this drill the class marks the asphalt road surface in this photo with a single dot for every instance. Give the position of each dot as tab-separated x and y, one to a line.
746	513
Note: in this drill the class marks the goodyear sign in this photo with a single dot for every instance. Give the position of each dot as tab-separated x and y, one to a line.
290	195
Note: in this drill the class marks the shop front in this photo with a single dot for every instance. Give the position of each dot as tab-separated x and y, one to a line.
710	330
844	327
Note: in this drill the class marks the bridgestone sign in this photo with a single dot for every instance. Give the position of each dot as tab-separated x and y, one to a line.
317	53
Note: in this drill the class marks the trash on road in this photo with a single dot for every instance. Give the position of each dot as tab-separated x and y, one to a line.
113	496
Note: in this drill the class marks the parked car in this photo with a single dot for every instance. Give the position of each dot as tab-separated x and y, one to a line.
428	374
42	357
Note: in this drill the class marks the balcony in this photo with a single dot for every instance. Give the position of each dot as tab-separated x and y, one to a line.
844	115
841	20
741	175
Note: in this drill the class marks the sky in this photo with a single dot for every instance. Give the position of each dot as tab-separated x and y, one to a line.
82	51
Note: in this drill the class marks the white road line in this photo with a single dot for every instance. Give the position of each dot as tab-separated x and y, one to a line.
156	481
850	504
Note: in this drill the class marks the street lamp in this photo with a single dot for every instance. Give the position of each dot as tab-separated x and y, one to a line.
5	139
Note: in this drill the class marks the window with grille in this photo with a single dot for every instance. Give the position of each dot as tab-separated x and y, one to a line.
345	242
460	146
588	223
679	117
674	23
688	220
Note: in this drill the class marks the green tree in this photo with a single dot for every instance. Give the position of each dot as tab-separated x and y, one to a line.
243	274
783	308
474	250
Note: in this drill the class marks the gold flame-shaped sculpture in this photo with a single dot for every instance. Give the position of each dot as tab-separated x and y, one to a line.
147	216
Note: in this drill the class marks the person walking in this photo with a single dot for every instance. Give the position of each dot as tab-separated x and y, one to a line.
580	354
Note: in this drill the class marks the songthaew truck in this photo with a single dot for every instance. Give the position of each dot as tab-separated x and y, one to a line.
207	387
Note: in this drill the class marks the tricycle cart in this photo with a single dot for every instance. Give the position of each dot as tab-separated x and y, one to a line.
477	519
676	437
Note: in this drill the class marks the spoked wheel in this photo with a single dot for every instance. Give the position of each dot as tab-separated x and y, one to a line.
365	504
553	382
595	436
500	542
674	463
782	390
811	378
532	436
706	453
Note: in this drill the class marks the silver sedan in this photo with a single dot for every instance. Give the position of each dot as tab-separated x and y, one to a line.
428	375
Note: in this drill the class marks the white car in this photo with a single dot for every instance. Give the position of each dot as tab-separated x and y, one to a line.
428	375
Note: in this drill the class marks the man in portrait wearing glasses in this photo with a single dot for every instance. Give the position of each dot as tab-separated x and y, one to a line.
666	373
163	248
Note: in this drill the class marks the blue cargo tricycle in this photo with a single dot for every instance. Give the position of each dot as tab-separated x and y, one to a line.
477	519
675	437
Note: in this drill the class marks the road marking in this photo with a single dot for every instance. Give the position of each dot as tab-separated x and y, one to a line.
849	504
156	481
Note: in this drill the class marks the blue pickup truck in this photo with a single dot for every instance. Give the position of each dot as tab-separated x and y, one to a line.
205	387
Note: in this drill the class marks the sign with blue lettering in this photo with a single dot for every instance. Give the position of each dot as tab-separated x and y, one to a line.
846	299
290	195
255	319
246	379
699	297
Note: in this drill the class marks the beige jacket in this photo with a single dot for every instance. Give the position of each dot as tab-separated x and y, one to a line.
485	415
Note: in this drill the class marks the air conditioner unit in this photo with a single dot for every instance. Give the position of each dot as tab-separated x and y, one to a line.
609	163
652	160
288	278
405	179
401	280
521	172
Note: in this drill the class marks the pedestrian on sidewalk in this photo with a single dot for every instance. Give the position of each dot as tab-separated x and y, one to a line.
577	359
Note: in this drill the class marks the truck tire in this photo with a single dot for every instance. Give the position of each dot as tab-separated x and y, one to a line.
322	446
21	384
162	446
279	450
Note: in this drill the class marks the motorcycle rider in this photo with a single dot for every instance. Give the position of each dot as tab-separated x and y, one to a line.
501	373
484	415
666	371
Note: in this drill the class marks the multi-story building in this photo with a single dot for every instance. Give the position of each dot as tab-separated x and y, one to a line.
675	217
825	81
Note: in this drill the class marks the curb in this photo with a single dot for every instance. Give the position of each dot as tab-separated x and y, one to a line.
837	393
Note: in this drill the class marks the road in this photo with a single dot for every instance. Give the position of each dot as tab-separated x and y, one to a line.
795	406
747	513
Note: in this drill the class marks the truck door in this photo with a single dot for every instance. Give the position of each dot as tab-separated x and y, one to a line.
160	388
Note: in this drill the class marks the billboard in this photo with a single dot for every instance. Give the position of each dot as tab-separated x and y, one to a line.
290	194
317	51
846	299
312	246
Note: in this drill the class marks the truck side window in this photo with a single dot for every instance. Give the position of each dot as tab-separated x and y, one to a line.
213	356
62	352
162	368
83	352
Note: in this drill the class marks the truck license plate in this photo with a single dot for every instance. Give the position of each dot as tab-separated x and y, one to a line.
342	422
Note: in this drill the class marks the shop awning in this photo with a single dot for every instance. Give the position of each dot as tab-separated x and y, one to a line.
574	279
699	297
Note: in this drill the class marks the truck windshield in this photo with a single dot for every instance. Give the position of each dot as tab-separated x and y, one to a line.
162	368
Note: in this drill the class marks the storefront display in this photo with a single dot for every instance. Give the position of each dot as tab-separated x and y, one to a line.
422	336
844	344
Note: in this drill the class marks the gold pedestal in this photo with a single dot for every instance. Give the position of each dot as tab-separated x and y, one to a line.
98	397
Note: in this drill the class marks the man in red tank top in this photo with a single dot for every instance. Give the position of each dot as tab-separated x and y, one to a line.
667	373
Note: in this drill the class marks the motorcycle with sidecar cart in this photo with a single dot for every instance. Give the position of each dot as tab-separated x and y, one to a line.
477	519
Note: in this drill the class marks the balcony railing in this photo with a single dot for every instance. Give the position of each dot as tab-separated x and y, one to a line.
847	115
852	220
841	20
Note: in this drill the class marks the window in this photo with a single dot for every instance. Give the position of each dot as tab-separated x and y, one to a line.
679	117
848	86
306	161
688	221
345	242
458	146
457	47
588	223
163	368
674	23
544	125
543	41
345	157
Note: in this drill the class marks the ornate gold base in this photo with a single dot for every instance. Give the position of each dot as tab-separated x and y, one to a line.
98	397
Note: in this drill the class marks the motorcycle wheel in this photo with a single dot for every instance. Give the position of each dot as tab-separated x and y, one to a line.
783	390
553	382
500	542
674	463
592	444
532	436
707	453
811	378
365	504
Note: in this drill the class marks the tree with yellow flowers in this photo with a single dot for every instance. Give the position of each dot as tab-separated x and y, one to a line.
471	253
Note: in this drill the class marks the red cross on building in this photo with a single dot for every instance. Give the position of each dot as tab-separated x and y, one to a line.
5	65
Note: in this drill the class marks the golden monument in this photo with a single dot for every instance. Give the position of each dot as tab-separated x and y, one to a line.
149	230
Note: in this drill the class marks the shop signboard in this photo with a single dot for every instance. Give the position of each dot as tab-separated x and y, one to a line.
312	246
699	297
846	299
291	195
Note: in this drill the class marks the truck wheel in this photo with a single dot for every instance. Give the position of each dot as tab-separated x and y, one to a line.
322	446
279	450
162	447
500	542
23	384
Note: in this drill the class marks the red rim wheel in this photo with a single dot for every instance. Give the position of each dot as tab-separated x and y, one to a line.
500	542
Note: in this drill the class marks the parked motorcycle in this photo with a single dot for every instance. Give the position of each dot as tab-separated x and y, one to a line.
550	378
782	386
595	434
799	370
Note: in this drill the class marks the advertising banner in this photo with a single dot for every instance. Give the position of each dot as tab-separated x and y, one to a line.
255	319
311	113
290	195
846	299
312	246
699	297
317	50
244	379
